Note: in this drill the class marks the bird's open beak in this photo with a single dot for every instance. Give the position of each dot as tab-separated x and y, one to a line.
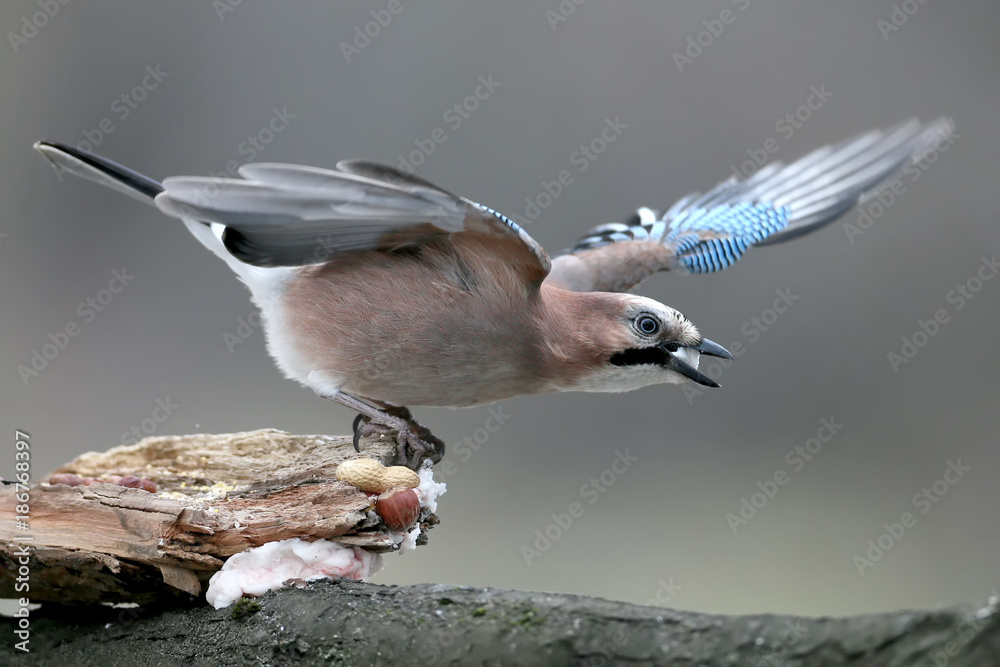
707	347
712	349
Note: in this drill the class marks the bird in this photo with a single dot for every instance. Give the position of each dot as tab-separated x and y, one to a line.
380	290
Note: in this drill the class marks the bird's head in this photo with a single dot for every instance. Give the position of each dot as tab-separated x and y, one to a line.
635	341
662	344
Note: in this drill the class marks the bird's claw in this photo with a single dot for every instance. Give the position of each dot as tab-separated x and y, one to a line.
364	427
414	441
408	444
357	431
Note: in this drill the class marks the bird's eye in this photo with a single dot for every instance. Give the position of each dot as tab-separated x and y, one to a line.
647	325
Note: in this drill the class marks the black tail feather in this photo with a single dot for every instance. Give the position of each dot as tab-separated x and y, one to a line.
131	180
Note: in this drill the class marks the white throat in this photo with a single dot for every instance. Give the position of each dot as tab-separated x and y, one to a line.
616	379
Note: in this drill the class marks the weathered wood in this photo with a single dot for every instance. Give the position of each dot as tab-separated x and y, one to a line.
351	623
217	495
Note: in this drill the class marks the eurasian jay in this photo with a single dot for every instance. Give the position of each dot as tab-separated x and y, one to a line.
379	290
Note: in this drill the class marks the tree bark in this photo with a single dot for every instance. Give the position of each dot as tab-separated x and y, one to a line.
218	495
215	496
352	623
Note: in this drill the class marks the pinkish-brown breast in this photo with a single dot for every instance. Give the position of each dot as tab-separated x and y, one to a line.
446	323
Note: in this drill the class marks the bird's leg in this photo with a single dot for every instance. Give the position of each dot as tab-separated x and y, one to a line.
413	447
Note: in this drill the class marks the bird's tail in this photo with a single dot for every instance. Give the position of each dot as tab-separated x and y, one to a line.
67	159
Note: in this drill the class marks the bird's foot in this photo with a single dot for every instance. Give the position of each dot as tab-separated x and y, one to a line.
419	444
415	442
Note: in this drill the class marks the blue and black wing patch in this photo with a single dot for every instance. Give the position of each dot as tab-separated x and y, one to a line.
703	240
714	239
710	232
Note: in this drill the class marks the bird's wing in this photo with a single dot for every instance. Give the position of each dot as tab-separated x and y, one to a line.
290	215
709	232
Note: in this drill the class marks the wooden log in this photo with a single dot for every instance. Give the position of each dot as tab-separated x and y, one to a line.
216	495
354	623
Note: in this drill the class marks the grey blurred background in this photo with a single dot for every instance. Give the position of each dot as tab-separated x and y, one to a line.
660	531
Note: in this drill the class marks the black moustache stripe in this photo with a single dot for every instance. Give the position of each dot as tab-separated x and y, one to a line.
638	356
